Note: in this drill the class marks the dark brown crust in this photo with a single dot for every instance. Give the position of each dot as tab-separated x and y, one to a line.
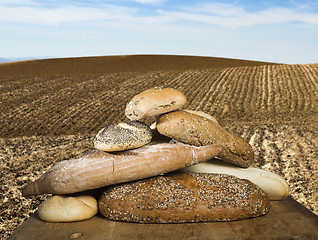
184	197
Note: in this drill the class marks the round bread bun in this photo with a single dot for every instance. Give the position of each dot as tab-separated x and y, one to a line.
153	102
123	136
67	209
272	184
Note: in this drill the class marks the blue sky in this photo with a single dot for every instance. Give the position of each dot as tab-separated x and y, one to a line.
276	31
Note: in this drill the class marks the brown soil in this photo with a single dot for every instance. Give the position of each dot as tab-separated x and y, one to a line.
51	109
118	64
72	104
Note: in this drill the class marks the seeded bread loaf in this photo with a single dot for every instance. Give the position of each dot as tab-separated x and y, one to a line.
123	136
196	128
184	197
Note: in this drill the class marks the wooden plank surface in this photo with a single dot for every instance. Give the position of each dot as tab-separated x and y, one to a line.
287	219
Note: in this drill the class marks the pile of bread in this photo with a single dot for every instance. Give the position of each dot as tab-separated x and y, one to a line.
183	168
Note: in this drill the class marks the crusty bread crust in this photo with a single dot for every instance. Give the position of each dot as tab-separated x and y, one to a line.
184	197
98	169
153	102
196	129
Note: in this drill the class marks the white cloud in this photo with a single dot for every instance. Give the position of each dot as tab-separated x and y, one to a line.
225	15
220	9
228	15
46	16
155	2
17	2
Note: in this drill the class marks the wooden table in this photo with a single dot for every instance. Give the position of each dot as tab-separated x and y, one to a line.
287	219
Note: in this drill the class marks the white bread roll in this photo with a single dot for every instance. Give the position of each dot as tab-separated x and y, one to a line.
67	209
153	102
272	184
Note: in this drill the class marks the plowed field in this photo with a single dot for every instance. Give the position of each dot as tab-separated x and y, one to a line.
51	109
63	105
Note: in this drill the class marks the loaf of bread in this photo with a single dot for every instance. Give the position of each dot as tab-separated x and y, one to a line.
199	129
184	197
67	209
275	186
123	136
153	102
98	169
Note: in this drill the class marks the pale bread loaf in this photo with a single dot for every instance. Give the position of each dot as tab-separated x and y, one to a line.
272	184
67	209
184	197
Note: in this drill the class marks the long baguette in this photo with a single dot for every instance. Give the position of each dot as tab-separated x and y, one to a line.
99	168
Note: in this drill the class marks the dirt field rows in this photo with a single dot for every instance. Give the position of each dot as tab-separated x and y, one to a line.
47	118
64	105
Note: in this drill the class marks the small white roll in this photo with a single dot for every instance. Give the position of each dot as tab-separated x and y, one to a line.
67	209
272	184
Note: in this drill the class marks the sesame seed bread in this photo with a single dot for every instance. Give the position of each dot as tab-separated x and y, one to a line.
67	209
123	136
99	168
196	129
184	197
153	102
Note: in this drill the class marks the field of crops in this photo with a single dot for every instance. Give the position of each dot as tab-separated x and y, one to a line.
47	118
